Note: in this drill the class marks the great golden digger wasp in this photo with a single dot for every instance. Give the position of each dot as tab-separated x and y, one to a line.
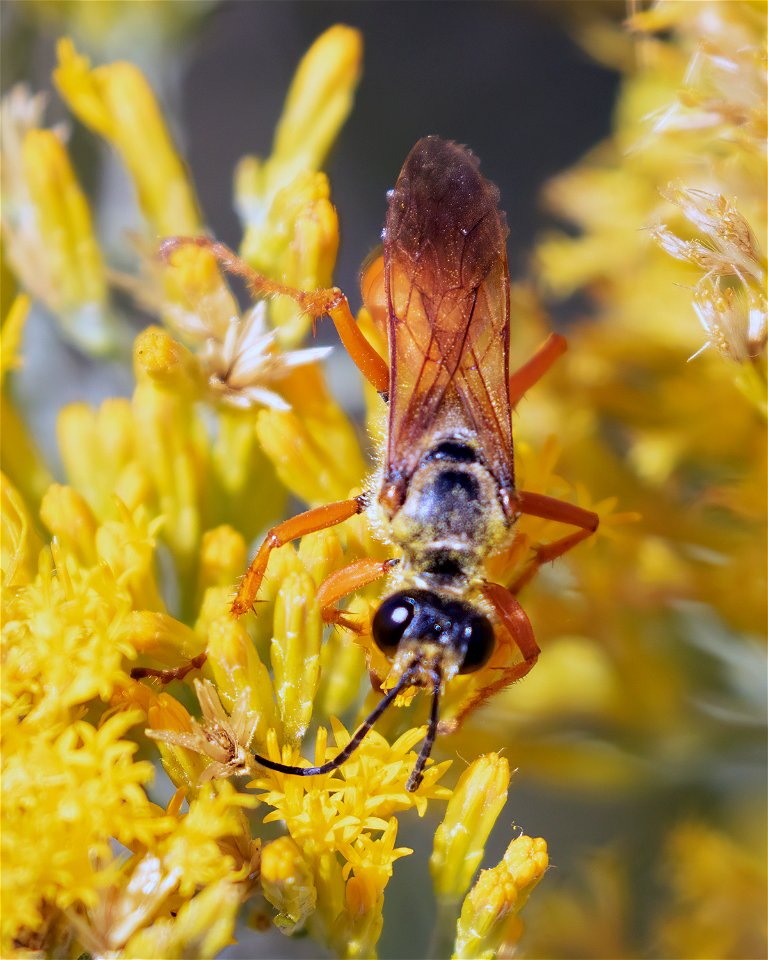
444	492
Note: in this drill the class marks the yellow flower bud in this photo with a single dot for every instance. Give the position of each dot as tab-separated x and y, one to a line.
21	460
250	494
287	883
197	303
343	664
239	672
173	446
69	518
160	358
298	441
98	449
222	557
295	653
18	543
183	766
75	287
127	547
460	839
296	241
489	923
318	102
117	103
13	328
161	637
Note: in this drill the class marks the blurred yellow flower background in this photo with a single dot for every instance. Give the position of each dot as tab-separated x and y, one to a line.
135	821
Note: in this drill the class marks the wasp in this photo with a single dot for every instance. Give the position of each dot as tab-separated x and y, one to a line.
445	491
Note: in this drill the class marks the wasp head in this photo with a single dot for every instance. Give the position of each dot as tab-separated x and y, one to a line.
423	624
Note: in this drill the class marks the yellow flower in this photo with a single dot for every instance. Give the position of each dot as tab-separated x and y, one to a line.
83	785
165	490
193	849
489	922
291	228
718	889
130	901
369	861
203	926
19	544
62	640
20	459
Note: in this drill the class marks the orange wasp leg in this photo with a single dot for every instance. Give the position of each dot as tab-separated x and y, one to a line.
316	303
518	627
308	522
548	508
355	576
531	372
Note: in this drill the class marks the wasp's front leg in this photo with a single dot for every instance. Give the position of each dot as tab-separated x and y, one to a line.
515	623
173	673
355	576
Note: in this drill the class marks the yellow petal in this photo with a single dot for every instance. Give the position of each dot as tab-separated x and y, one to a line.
460	839
117	103
318	103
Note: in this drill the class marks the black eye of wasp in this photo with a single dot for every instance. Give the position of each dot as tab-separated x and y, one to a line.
391	620
478	635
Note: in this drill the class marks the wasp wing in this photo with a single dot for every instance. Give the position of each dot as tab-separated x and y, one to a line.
448	298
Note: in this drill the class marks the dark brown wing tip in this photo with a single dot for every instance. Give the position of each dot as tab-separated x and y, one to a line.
444	217
436	147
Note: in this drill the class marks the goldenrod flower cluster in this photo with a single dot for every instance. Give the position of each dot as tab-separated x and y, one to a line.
665	387
122	578
136	822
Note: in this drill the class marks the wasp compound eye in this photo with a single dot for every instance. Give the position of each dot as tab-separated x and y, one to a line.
391	621
478	636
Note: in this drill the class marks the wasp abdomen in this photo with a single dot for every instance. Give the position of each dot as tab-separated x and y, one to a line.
451	500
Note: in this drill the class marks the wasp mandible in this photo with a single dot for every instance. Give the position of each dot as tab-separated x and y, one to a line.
444	492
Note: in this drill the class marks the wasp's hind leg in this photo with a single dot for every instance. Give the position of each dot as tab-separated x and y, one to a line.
316	303
517	627
531	372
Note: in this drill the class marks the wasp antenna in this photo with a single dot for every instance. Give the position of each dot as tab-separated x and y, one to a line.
356	740
417	774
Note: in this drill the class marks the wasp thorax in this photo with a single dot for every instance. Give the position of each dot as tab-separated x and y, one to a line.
422	618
